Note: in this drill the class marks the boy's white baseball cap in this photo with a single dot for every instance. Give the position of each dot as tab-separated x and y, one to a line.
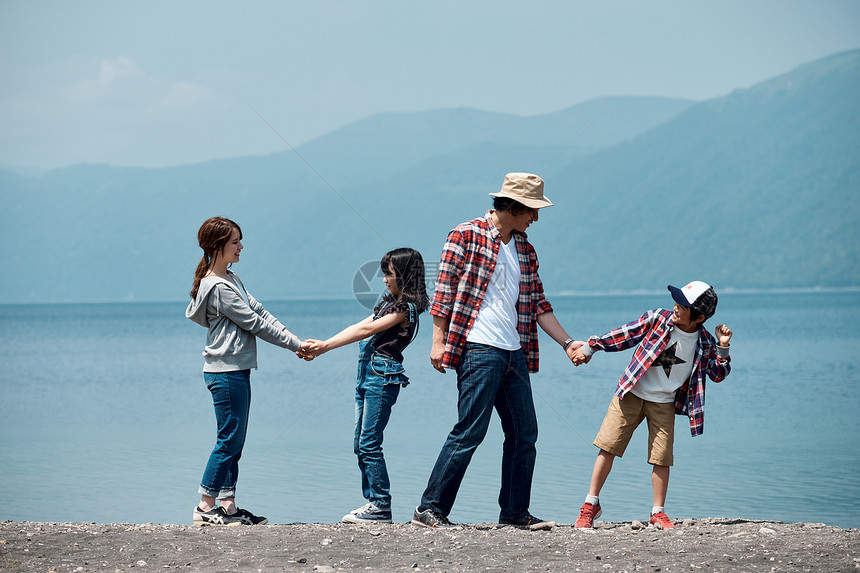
696	295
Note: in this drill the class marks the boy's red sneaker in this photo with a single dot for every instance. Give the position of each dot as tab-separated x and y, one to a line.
661	521
587	514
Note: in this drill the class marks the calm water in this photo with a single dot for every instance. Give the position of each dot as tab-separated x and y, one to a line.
104	417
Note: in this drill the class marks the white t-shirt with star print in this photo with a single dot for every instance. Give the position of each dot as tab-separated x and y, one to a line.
658	386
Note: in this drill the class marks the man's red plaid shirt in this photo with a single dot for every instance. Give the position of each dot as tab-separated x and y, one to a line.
468	260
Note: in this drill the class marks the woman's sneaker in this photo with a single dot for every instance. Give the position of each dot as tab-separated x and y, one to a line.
369	513
215	516
249	518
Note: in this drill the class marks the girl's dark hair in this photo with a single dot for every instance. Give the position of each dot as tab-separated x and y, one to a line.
408	268
512	206
212	236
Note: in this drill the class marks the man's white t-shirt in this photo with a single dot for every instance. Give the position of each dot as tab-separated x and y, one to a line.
496	323
656	385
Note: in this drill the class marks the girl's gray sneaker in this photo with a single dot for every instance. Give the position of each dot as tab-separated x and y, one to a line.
370	513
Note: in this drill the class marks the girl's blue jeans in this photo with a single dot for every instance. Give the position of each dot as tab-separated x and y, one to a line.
231	395
376	391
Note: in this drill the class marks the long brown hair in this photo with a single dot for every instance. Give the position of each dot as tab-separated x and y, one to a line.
212	236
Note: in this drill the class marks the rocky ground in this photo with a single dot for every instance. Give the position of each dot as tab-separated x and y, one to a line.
696	545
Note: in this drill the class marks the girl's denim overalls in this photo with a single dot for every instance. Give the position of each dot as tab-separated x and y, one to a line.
379	380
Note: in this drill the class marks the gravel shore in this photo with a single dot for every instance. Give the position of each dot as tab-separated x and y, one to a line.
736	545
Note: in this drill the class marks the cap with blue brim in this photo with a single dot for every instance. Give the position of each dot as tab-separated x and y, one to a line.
696	295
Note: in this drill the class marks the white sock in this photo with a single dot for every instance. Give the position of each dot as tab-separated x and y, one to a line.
656	509
593	500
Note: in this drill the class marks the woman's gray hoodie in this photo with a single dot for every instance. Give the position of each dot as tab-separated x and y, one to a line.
234	326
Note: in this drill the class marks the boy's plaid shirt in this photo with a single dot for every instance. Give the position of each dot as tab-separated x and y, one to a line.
652	332
468	260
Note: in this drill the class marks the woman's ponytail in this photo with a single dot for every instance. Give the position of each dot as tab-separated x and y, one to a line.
212	236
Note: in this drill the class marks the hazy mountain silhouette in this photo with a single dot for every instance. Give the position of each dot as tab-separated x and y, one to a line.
757	189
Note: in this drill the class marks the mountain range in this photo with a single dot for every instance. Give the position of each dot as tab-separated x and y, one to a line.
757	189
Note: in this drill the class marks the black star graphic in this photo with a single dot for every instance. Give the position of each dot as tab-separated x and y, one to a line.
667	359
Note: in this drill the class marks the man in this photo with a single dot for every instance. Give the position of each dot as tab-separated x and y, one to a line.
488	302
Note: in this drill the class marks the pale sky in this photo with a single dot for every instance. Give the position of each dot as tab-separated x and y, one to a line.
162	83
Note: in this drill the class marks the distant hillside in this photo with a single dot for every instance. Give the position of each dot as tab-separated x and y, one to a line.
760	188
106	233
757	189
376	148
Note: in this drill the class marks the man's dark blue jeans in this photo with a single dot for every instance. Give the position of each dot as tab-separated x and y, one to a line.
487	378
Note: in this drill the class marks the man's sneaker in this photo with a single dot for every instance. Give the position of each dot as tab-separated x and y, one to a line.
587	514
249	518
432	519
369	513
661	521
215	516
525	521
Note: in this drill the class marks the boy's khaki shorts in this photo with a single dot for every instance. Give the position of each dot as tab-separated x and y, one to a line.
625	415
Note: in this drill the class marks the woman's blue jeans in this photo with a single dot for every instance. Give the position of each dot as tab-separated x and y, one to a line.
376	391
488	378
231	395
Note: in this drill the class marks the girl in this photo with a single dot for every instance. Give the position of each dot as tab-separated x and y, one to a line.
380	372
220	302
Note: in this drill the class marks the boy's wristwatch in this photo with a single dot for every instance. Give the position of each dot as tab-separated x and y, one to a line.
567	343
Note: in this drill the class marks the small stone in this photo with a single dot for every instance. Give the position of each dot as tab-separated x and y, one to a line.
766	530
415	565
140	563
375	532
688	522
302	560
324	569
636	525
326	541
542	526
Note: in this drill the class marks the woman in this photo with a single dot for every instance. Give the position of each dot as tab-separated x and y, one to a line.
234	319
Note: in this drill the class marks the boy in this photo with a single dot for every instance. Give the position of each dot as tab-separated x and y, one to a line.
666	376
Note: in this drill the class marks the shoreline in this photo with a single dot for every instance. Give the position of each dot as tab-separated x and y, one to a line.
711	544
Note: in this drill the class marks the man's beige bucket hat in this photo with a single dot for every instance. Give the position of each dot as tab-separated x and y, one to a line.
525	188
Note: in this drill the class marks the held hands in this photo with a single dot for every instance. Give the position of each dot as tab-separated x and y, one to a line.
574	352
310	349
724	334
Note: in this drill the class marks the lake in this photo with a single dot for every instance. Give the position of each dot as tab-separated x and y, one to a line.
104	416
